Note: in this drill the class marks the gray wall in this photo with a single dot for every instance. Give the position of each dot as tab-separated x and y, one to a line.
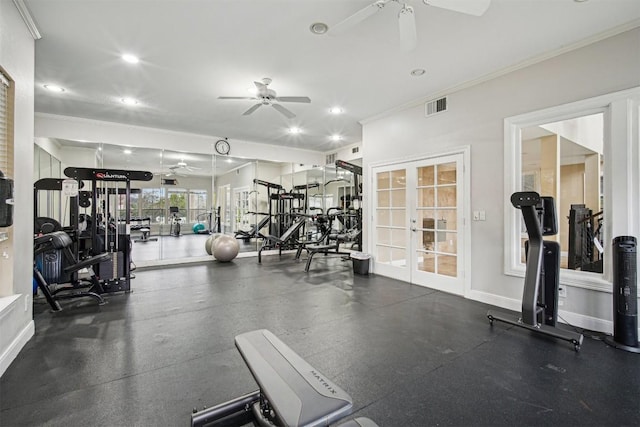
475	118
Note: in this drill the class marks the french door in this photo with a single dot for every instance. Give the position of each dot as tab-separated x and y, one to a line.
418	222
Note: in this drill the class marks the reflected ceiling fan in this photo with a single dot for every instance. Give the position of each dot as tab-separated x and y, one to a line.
406	17
266	96
180	168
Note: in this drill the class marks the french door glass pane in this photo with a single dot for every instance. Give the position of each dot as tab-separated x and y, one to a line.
383	181
425	176
383	199
398	198
384	236
448	219
447	196
446	173
448	243
399	179
383	217
426	197
426	262
448	265
398	238
399	218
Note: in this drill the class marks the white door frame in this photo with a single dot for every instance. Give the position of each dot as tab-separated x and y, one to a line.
465	209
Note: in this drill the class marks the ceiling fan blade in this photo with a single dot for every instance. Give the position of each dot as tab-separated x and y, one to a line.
236	97
293	99
284	111
470	7
252	109
407	26
358	17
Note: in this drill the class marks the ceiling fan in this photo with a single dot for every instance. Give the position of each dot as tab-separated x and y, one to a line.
180	168
406	17
266	96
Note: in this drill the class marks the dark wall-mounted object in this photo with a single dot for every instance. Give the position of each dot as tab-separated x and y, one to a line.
6	201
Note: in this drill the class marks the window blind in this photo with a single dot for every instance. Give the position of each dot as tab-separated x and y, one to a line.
6	145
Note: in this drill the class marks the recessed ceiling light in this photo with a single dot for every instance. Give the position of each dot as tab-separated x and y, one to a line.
132	59
294	130
126	151
129	101
579	1
229	161
336	137
319	28
417	72
335	110
53	88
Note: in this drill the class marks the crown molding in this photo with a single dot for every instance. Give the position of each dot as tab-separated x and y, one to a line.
493	75
27	18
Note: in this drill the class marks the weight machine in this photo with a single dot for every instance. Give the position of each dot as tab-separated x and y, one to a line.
110	233
541	281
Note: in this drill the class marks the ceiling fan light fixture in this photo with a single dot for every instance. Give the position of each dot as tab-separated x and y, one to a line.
318	28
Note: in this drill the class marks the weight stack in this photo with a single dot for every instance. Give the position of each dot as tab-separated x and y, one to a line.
625	294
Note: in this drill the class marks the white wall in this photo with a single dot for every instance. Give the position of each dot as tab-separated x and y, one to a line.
17	58
475	118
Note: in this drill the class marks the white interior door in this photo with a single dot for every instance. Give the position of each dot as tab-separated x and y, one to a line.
418	233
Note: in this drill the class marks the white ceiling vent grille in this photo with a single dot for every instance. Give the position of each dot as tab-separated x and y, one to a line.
436	106
331	158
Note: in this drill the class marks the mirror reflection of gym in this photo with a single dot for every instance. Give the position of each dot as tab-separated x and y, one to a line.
565	160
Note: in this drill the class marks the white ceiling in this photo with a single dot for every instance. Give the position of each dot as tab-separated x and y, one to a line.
193	51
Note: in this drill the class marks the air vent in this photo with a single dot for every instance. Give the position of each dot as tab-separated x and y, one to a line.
168	181
354	150
435	106
331	158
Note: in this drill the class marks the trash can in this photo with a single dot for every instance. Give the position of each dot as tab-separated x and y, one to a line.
360	262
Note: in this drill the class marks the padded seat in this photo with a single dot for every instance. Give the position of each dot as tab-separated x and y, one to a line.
297	392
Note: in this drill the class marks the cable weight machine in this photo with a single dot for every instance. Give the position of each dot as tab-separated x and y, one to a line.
111	233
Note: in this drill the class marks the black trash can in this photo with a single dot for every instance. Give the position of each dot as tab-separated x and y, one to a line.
360	262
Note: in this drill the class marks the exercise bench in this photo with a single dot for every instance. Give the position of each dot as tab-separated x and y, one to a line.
291	392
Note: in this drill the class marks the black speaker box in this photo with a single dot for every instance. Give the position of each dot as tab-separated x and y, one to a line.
625	291
6	194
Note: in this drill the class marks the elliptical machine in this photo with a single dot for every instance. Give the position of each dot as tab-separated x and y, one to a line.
540	294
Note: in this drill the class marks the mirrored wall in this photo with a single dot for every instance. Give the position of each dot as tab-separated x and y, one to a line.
194	195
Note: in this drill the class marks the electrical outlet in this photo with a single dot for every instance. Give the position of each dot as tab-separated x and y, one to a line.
562	292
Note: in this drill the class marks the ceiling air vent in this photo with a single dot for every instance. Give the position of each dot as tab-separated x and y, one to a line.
331	158
435	106
354	150
167	181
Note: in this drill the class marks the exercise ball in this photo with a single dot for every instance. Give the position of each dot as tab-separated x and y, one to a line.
198	228
209	242
225	248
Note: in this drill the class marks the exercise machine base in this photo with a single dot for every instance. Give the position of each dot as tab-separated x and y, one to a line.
611	342
572	337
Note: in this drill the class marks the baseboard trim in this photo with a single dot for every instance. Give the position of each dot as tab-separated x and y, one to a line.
16	345
497	300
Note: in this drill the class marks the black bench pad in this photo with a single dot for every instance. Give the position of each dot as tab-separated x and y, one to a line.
298	393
